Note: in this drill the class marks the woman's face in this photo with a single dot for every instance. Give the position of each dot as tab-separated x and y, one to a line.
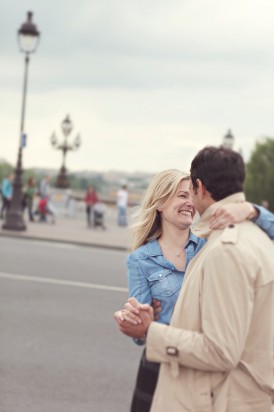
180	209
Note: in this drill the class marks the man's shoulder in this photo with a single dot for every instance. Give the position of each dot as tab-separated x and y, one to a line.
248	246
240	233
235	232
230	234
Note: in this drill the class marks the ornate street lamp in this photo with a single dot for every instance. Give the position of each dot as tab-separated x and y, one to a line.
28	38
66	126
228	140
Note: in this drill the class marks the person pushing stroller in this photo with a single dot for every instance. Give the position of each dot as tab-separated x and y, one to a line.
45	207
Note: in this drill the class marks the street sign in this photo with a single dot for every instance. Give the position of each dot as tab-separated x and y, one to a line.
23	140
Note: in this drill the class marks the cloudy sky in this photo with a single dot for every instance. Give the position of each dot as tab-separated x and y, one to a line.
147	83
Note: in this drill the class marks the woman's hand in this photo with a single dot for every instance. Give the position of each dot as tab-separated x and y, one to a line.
129	319
130	315
131	312
232	213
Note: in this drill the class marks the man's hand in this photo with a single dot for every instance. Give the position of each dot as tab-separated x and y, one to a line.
138	331
156	305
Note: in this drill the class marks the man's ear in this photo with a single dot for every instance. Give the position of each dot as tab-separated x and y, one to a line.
201	188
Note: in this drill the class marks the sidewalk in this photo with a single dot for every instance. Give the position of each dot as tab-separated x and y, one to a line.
74	230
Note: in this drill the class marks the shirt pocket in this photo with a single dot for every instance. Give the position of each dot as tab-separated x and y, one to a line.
164	282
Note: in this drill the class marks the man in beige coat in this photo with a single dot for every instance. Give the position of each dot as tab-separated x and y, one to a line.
216	355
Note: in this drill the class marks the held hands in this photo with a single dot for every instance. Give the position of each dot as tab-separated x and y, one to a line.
232	213
134	319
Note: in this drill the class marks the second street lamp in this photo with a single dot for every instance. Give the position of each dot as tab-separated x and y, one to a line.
66	126
228	140
28	37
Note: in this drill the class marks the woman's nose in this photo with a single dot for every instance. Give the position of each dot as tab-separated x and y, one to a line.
189	203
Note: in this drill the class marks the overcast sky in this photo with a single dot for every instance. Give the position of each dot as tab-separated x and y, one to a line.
147	83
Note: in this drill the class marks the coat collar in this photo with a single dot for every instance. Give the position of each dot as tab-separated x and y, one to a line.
201	228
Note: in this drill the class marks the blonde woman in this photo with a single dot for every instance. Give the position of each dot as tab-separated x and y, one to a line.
163	246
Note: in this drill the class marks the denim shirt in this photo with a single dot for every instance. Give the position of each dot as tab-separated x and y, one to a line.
150	275
265	221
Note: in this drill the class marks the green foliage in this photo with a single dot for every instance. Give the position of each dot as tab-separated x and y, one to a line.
259	183
5	170
82	183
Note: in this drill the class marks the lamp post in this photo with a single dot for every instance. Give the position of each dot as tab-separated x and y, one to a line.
66	126
28	37
228	140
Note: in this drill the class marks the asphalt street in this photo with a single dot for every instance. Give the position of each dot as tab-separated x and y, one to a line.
60	350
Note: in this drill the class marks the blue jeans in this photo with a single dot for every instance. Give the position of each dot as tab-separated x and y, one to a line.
122	216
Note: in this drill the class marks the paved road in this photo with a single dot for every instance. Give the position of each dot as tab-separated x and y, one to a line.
59	348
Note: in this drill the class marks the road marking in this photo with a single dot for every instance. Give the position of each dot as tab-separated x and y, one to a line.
62	282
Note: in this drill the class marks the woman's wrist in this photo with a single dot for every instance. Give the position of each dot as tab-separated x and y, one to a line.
254	212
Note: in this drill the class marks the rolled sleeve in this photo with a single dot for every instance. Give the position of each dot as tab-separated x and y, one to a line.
265	220
137	283
138	287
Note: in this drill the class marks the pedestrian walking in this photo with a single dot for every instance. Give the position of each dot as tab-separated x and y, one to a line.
216	355
122	202
91	199
29	193
163	246
6	193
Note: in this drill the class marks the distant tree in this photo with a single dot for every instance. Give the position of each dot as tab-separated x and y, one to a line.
259	184
5	170
82	183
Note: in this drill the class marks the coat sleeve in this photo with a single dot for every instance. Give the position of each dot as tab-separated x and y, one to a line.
226	309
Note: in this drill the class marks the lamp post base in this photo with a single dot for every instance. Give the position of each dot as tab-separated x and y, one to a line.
14	221
62	181
14	217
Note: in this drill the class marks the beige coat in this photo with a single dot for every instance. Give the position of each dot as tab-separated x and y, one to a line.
217	354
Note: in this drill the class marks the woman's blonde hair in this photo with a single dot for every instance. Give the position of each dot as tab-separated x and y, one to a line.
161	190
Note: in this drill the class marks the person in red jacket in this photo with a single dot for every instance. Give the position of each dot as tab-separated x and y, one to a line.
90	199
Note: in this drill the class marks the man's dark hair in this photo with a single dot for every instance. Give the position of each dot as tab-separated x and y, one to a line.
221	170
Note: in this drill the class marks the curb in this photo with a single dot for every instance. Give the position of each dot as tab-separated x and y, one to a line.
69	242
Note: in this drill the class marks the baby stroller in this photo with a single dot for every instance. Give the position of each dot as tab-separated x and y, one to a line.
45	208
98	215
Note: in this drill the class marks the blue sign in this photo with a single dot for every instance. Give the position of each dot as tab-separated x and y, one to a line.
23	140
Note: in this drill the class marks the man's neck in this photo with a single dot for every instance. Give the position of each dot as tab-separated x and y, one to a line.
208	201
